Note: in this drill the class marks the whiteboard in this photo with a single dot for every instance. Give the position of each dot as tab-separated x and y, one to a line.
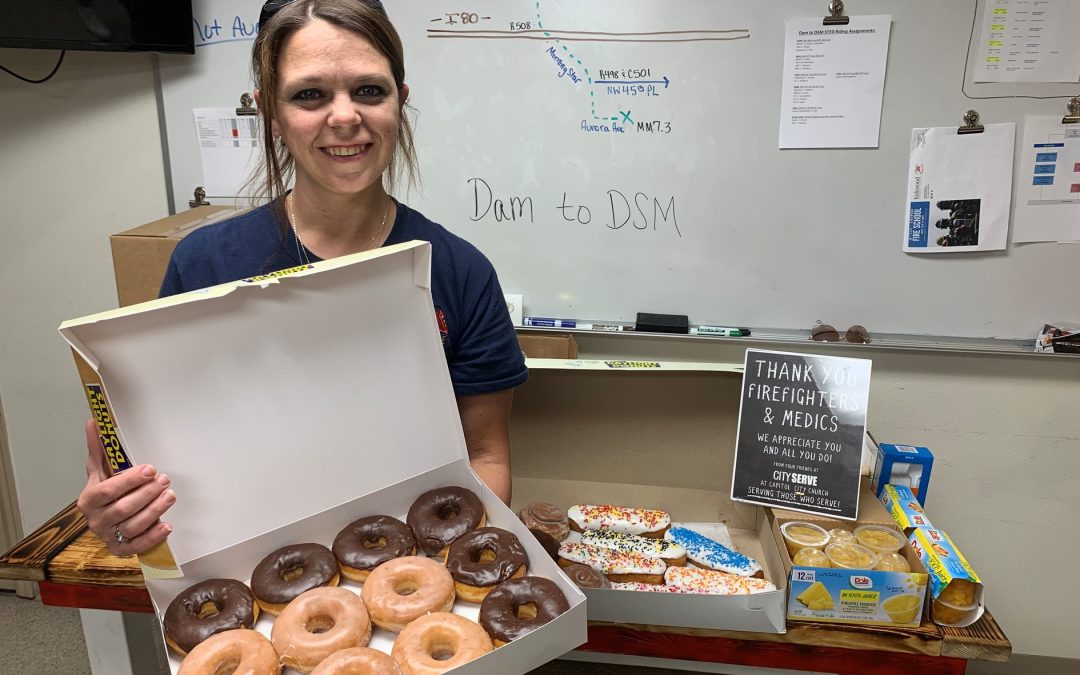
692	209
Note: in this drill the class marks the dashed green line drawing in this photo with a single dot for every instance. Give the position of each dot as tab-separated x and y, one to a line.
572	57
525	31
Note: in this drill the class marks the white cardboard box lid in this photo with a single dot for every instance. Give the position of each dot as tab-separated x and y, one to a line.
269	400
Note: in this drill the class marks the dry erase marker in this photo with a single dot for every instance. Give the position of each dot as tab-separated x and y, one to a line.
540	322
720	331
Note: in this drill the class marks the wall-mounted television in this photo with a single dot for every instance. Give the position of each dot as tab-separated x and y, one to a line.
100	25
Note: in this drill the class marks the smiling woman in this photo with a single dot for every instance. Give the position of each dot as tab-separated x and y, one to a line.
332	100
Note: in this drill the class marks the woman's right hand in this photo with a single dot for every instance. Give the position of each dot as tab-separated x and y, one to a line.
125	509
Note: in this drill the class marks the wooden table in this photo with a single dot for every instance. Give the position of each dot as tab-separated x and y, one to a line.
73	568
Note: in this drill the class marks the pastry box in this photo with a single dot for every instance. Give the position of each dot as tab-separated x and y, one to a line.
651	435
956	591
860	579
283	408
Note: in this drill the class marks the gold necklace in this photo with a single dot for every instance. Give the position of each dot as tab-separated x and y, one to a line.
301	250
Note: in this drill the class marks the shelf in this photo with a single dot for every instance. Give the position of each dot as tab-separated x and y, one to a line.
787	340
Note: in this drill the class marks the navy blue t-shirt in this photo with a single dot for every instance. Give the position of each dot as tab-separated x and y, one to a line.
478	337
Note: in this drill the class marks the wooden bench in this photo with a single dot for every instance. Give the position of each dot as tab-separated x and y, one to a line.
73	568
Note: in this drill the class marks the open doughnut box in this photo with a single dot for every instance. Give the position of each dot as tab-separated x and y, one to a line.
284	408
648	434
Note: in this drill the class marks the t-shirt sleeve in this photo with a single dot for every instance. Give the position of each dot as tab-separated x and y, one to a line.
488	357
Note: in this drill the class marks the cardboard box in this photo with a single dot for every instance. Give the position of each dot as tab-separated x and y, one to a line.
853	596
647	434
141	254
947	565
901	504
906	465
281	417
561	346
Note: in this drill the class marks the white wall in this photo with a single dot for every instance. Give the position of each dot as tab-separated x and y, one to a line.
80	159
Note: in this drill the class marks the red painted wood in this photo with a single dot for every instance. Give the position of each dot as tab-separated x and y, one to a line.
621	640
86	596
618	640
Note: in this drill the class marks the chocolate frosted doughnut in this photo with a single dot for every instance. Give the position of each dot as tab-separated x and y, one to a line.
546	518
520	606
291	570
367	543
548	542
585	577
208	608
440	516
480	559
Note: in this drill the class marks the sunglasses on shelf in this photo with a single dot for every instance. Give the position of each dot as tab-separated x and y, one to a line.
271	7
823	332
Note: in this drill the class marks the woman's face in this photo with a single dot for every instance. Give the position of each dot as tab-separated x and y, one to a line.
337	108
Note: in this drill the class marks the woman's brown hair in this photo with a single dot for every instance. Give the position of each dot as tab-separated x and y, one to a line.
359	16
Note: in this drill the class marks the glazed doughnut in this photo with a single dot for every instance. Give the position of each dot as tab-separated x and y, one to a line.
616	565
367	543
546	518
440	516
671	553
235	651
358	661
399	591
520	606
698	580
713	555
551	547
318	623
642	522
208	608
439	642
480	559
291	570
584	576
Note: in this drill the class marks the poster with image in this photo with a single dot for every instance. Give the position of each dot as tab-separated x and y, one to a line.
802	419
959	189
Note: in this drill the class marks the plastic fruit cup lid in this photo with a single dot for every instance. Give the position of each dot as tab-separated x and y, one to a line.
832	550
802	541
897	538
959	608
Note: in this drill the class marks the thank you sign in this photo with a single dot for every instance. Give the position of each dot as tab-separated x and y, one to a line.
801	425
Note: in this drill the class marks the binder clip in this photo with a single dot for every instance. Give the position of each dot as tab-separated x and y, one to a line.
971	124
200	198
1074	112
836	15
245	105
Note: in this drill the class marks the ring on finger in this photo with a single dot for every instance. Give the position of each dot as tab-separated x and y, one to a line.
120	538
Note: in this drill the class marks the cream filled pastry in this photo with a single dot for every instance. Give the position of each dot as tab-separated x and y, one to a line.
615	565
697	580
711	554
643	522
668	551
647	588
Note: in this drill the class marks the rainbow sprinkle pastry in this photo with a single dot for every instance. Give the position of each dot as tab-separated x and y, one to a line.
618	518
648	588
611	562
631	543
712	554
696	580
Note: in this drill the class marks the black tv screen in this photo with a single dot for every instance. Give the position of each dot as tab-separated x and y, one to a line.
102	25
